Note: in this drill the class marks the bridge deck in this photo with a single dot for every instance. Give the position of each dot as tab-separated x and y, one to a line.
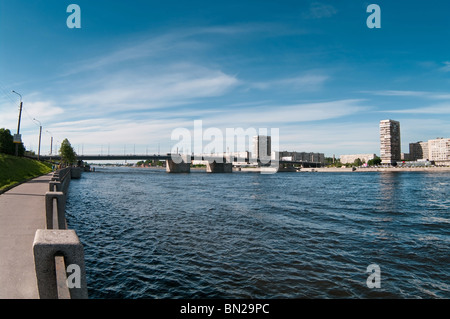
166	157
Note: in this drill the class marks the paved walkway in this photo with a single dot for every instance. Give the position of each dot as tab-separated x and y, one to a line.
22	212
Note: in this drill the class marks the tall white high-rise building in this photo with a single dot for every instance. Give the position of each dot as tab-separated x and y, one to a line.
390	146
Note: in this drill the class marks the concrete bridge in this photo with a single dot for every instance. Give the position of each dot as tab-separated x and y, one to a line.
176	163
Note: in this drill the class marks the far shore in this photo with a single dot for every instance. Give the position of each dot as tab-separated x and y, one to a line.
377	169
330	169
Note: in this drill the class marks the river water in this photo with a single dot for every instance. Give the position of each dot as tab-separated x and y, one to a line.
149	234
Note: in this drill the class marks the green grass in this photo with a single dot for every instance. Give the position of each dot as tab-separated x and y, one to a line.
15	170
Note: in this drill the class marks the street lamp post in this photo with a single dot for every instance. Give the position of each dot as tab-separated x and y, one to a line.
40	133
18	140
51	141
51	146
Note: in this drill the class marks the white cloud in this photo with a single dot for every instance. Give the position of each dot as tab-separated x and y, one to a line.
8	114
153	47
346	138
443	108
307	82
440	96
422	94
446	67
176	42
154	88
157	128
33	108
93	135
398	93
278	115
43	110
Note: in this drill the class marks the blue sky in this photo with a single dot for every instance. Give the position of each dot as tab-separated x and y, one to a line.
137	70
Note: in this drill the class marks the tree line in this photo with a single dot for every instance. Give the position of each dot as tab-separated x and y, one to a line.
7	146
331	162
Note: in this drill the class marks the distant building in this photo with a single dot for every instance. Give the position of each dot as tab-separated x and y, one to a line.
439	150
350	159
237	158
405	157
390	146
418	151
301	157
262	147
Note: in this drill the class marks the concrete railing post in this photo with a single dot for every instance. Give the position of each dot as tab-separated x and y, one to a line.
61	207
50	243
55	186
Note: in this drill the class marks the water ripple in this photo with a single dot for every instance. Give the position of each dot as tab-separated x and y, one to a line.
148	234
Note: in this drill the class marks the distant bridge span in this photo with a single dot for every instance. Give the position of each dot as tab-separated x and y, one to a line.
112	157
247	161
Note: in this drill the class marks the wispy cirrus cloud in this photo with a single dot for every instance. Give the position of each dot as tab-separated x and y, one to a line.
426	96
278	115
443	108
134	50
446	67
400	93
174	43
307	82
397	93
151	88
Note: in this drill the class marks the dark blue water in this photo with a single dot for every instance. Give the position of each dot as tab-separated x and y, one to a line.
149	234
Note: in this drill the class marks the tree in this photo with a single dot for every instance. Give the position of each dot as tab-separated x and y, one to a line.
332	162
7	145
6	142
67	153
375	161
140	163
357	162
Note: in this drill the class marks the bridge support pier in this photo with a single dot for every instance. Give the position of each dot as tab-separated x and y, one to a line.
178	164
215	167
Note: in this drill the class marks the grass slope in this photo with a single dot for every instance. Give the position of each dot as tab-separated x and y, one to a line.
15	170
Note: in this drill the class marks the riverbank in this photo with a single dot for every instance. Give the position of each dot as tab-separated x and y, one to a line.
16	170
320	170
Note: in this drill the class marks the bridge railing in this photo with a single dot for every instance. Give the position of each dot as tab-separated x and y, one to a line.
58	249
